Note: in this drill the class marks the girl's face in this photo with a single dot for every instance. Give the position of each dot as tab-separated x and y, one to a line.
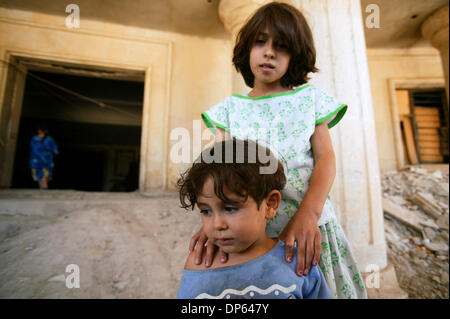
269	60
238	227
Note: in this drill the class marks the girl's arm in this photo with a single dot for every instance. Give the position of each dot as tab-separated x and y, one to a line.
324	171
303	226
221	134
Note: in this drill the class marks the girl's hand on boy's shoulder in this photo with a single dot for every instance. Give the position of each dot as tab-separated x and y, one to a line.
190	262
197	249
303	229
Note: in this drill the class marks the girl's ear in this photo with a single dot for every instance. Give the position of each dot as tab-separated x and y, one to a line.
272	203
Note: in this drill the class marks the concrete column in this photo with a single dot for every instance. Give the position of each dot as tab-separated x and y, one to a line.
344	73
341	57
435	28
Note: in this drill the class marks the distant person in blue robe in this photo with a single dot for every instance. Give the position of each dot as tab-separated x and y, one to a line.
42	149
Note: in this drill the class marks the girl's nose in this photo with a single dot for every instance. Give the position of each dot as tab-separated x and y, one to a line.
269	52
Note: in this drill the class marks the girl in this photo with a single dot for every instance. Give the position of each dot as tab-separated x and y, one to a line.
42	148
274	52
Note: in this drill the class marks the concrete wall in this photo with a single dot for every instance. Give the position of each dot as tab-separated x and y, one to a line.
184	74
398	68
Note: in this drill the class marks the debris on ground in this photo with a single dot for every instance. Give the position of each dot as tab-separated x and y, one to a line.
416	218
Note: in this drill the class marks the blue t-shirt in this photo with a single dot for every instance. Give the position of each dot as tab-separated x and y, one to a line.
268	276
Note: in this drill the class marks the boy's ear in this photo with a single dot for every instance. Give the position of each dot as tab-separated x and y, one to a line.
272	203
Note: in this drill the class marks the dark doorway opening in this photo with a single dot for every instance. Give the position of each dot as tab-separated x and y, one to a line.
99	143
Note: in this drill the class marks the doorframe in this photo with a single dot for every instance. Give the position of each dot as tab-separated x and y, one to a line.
14	89
406	83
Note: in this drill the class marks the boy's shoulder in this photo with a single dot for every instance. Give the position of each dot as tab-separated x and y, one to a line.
274	252
191	265
190	262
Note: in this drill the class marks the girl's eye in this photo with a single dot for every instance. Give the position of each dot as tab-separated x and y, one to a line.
282	46
259	41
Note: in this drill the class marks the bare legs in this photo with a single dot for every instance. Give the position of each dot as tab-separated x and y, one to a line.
43	183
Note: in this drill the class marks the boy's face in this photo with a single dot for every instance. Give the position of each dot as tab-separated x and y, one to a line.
269	60
235	227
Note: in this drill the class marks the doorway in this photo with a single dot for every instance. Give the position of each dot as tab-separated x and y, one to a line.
96	123
423	116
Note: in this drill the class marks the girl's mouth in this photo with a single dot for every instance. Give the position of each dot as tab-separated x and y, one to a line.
266	67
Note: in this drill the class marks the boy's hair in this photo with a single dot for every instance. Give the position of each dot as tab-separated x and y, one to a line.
240	177
285	24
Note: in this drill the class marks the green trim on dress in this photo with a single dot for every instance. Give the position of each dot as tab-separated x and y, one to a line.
340	111
272	95
212	124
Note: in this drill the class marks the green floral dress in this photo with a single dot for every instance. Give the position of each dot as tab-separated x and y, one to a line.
285	123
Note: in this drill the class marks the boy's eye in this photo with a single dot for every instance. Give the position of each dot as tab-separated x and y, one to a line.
205	212
231	209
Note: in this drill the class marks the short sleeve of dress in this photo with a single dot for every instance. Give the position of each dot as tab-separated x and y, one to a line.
217	116
327	108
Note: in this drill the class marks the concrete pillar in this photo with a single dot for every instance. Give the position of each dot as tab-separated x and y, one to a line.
435	28
341	57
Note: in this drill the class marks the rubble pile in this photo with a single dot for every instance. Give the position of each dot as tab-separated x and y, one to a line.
416	221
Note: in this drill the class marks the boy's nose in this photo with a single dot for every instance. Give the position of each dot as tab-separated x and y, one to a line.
219	222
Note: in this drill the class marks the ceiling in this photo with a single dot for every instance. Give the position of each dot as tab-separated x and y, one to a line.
196	17
400	20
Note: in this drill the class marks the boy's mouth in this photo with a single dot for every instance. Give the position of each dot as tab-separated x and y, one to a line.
224	241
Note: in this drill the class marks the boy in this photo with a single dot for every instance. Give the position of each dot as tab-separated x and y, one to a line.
236	198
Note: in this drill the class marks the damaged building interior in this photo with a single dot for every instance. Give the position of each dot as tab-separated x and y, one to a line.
96	123
111	92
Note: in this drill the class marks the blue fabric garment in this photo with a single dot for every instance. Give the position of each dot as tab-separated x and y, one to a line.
41	154
268	276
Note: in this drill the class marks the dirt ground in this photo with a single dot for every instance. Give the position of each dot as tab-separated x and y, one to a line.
132	248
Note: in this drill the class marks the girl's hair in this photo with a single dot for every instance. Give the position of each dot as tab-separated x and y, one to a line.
285	24
240	176
42	127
